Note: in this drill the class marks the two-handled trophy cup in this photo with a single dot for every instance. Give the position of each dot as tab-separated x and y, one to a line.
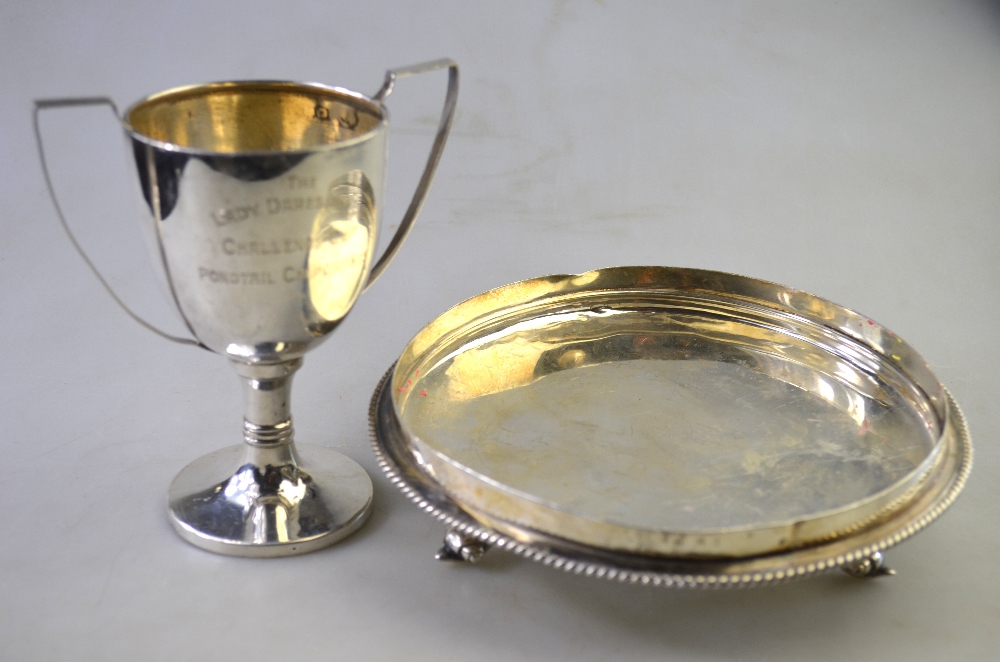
264	200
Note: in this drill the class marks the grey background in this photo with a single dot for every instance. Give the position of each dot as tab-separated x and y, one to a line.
848	149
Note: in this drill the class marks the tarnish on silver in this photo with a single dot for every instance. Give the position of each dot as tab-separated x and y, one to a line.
263	200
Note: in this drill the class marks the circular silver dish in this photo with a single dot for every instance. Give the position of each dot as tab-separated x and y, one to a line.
662	415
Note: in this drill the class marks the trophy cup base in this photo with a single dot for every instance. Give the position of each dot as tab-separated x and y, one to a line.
263	503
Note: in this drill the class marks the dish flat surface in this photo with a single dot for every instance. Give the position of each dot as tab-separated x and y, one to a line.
676	444
638	415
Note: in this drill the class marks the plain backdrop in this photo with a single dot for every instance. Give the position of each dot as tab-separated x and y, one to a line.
850	149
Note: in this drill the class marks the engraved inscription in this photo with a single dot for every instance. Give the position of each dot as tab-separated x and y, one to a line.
236	277
231	246
276	205
238	214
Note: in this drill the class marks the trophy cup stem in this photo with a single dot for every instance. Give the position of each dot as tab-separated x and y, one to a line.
259	499
267	390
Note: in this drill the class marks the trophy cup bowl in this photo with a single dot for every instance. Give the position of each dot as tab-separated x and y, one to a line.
264	201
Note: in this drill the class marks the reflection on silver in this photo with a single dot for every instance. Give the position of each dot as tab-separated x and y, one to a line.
460	547
869	567
263	202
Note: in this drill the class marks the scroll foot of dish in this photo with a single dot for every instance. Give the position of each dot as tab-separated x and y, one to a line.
460	547
869	567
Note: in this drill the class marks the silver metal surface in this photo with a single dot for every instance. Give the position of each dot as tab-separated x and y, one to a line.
869	567
44	104
274	504
395	456
673	416
461	547
263	202
444	127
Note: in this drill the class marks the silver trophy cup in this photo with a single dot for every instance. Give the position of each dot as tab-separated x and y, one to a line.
264	200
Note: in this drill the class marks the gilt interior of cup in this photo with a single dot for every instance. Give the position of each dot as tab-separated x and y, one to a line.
253	117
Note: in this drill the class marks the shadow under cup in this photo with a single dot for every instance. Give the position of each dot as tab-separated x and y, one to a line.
266	198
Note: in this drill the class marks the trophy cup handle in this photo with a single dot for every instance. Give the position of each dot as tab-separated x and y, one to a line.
45	104
447	115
